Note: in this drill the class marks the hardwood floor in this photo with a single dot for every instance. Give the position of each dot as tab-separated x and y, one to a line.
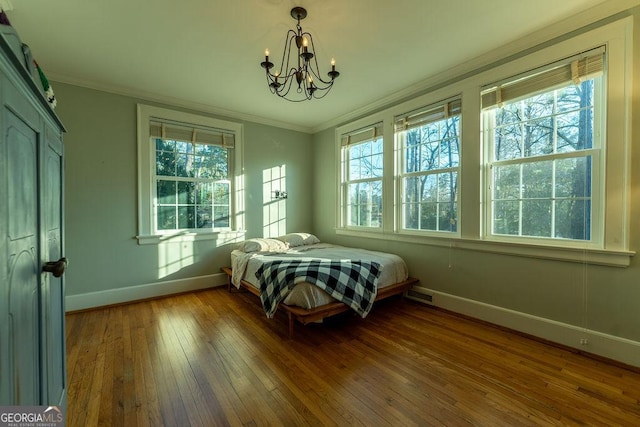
212	358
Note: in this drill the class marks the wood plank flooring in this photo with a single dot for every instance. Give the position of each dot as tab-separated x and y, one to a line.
212	358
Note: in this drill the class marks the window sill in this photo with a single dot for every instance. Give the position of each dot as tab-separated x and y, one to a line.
187	236
612	258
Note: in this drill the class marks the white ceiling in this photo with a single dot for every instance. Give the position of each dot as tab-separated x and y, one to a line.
206	53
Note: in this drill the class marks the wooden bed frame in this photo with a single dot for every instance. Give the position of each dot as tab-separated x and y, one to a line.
306	316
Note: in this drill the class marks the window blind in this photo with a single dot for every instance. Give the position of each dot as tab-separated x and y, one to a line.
576	69
428	115
190	133
362	135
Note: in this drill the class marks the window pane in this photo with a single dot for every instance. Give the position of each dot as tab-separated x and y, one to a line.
186	193
412	150
447	183
506	217
447	216
575	131
216	164
538	137
428	216
573	219
536	218
506	182
166	192
184	165
429	202
365	160
537	180
186	217
165	145
429	155
365	204
450	127
449	153
508	141
204	193
432	146
165	163
354	169
221	216
573	177
221	194
166	218
204	217
412	216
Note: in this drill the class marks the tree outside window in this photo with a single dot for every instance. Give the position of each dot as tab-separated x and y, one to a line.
362	183
543	152
429	143
192	185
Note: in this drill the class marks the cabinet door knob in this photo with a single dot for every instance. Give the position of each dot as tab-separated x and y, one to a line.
56	267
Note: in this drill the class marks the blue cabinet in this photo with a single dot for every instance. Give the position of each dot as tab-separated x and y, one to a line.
32	348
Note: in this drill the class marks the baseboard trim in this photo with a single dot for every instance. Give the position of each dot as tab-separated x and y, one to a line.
141	292
582	339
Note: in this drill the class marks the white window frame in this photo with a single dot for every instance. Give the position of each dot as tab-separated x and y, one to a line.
438	111
617	36
368	133
598	171
147	233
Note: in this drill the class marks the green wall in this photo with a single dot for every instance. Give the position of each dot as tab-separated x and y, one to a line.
101	195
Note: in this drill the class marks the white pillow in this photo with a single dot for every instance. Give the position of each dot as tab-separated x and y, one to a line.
299	239
262	245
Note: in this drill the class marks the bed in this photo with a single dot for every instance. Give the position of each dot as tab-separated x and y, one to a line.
310	280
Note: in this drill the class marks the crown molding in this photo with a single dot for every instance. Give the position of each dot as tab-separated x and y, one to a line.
174	102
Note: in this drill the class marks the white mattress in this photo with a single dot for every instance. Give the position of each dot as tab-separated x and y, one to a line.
306	295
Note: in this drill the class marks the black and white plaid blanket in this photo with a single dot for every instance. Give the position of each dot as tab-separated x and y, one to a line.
351	282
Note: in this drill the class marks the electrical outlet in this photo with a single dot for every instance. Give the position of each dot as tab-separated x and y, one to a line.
584	341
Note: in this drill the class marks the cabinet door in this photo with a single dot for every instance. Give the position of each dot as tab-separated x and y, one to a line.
52	288
22	370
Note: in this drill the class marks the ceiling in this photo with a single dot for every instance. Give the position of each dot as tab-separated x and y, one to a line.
205	54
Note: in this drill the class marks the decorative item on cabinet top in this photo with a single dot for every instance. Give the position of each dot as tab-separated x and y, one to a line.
25	57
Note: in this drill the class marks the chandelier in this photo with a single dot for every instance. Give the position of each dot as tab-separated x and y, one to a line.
299	69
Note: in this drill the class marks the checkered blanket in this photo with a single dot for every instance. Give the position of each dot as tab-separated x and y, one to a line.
351	282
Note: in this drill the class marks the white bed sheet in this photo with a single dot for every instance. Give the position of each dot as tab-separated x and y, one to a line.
304	294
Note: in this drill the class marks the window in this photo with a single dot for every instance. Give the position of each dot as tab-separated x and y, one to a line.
429	156
362	173
544	152
539	167
192	177
188	174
